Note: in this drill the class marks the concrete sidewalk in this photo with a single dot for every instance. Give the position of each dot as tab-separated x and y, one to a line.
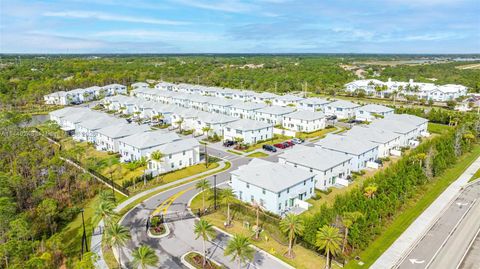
96	240
403	245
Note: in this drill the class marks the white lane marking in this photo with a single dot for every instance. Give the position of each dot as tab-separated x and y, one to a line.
416	261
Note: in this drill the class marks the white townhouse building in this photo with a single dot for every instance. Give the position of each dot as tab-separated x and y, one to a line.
421	123
114	103
225	93
58	114
366	85
447	92
107	138
278	188
96	91
215	121
371	111
144	109
264	97
114	89
127	104
186	116
244	95
58	98
86	129
180	99
342	109
329	167
164	86
287	100
250	131
166	111
245	110
304	121
176	155
199	102
361	151
273	114
313	104
208	91
221	105
69	122
163	97
81	95
385	139
407	131
137	85
139	145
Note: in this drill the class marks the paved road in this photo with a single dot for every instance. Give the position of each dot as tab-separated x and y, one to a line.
420	228
444	245
181	238
472	259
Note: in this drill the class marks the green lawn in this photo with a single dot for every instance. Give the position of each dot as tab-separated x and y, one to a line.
257	154
437	128
234	152
316	134
426	195
475	176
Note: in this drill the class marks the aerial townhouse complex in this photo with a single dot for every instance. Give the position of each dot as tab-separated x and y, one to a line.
238	115
427	91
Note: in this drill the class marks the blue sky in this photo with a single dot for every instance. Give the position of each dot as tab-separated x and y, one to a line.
234	26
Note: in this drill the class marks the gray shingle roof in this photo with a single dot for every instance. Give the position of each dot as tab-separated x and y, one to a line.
372	134
271	176
215	118
289	98
343	104
67	111
407	118
249	105
100	122
123	130
314	101
306	115
276	110
247	125
150	139
346	144
177	146
400	127
314	157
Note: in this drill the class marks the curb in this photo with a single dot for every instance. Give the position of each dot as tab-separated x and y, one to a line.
166	233
187	264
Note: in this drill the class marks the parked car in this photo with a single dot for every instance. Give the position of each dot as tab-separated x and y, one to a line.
333	117
228	143
297	141
269	148
280	145
289	143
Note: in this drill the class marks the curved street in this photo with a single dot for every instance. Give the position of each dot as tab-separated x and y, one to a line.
181	238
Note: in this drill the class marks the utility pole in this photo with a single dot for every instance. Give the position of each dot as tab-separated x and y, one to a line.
275	86
215	192
206	156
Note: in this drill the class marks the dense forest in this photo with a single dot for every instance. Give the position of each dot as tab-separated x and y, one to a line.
25	79
39	195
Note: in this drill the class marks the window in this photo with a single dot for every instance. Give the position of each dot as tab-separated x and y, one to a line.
170	156
286	204
184	153
248	185
172	165
304	182
252	199
180	163
280	193
311	190
288	190
263	191
280	206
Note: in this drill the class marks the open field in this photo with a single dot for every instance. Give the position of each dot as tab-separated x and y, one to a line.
469	66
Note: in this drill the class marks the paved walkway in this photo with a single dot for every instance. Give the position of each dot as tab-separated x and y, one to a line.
96	240
404	244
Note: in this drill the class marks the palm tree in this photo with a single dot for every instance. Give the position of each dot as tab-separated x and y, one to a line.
105	211
328	239
179	123
228	197
257	208
206	130
239	248
157	156
268	102
203	185
348	219
292	225
143	257
370	191
204	229
117	236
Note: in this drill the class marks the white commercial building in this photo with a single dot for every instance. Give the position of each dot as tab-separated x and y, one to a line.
330	168
250	131
304	121
278	188
371	111
361	151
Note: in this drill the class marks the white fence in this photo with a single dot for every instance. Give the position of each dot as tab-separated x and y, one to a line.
284	132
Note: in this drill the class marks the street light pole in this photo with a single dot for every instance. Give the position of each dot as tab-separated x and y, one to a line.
206	156
84	236
215	192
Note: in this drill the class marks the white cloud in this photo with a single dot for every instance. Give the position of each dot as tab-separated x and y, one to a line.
160	35
232	6
111	17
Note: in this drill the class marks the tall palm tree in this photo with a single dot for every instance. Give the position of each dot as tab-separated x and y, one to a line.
328	239
117	236
105	211
348	219
228	197
203	185
179	122
157	156
239	248
206	130
292	225
205	230
143	257
257	208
